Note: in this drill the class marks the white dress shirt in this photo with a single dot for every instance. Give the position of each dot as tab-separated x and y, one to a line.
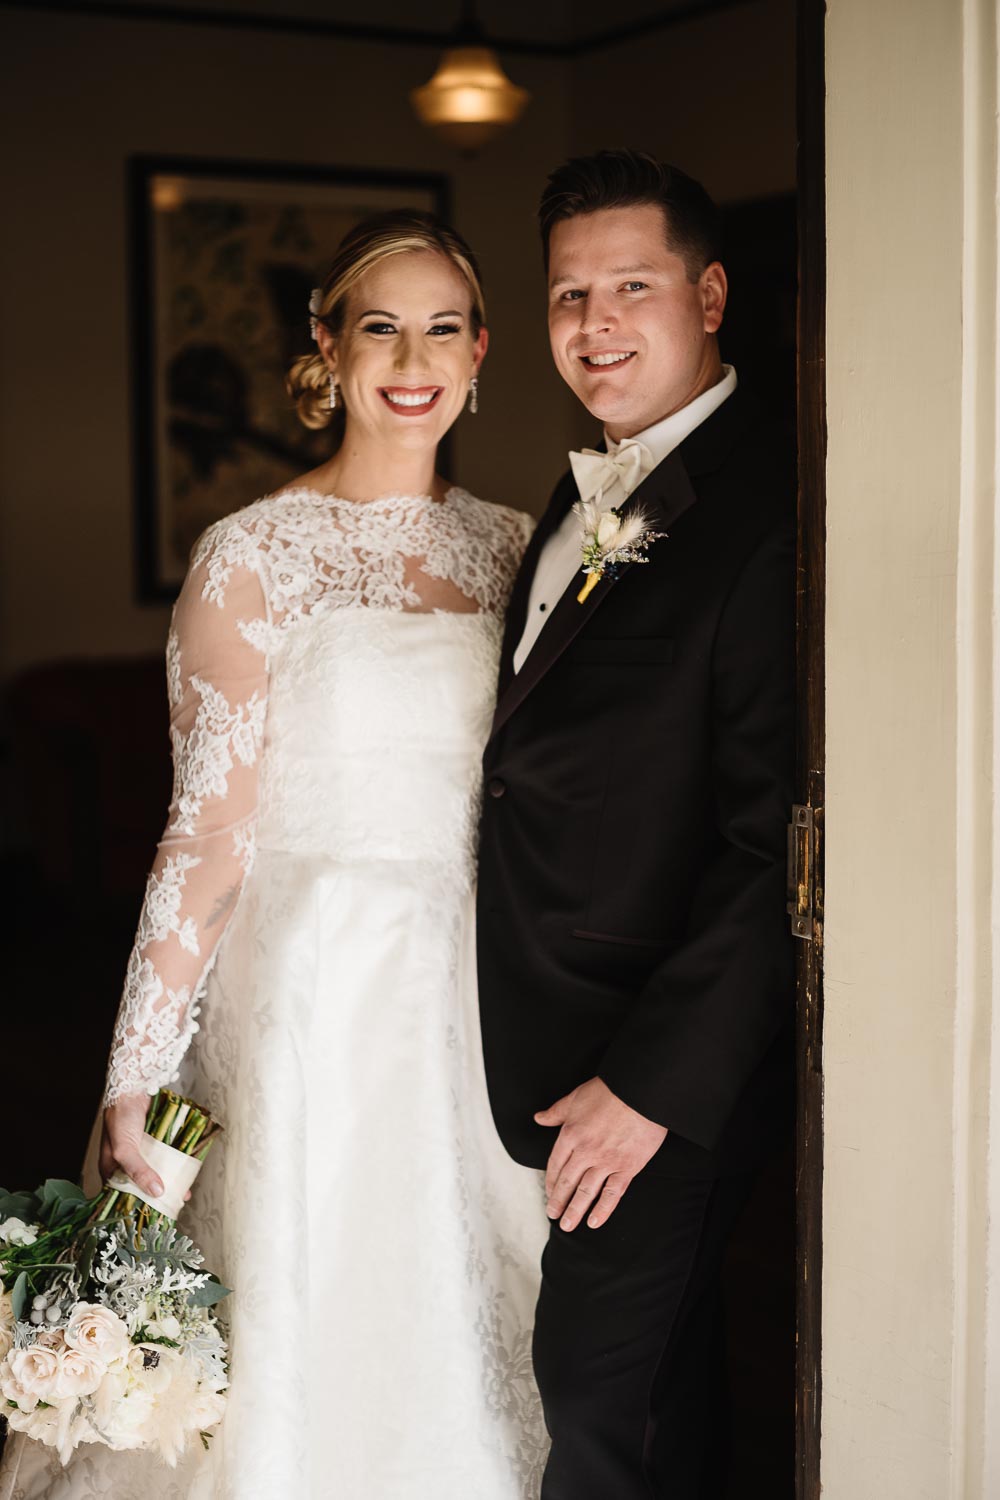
560	561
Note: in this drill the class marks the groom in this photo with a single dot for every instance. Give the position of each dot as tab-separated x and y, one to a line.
635	968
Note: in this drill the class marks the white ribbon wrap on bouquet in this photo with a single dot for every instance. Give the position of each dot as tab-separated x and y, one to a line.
176	1170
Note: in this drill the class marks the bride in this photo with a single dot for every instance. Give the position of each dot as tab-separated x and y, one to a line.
304	962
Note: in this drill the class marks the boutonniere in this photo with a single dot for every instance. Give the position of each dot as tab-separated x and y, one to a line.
608	539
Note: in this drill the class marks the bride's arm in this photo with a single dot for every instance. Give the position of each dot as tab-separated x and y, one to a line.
217	680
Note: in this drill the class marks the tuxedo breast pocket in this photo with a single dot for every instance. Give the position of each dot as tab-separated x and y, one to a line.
618	651
616	956
659	946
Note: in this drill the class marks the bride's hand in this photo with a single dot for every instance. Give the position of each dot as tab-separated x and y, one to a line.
123	1127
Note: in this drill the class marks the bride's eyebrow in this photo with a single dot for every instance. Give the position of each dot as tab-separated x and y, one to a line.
380	312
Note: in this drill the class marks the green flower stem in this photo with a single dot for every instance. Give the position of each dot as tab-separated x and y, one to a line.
192	1133
23	1256
168	1114
207	1140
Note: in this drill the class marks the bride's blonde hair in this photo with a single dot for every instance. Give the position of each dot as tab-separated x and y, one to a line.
368	243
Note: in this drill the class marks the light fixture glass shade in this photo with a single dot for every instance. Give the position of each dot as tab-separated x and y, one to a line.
470	98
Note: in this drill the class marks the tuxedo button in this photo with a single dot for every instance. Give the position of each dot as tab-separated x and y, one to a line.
496	787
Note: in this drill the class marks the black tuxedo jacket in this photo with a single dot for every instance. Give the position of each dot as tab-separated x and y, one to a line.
638	785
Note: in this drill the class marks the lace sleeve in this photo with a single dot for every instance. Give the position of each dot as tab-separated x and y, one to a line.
217	680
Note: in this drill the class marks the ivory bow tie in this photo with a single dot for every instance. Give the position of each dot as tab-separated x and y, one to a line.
596	472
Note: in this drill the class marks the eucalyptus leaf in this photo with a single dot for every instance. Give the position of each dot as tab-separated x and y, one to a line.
24	1206
86	1256
59	1190
208	1295
19	1296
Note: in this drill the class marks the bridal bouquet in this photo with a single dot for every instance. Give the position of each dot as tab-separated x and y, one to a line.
106	1329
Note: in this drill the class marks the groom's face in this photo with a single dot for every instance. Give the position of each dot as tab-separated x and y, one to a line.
630	332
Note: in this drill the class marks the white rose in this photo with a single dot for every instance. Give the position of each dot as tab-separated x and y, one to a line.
607	529
207	1408
97	1332
164	1328
28	1376
17	1232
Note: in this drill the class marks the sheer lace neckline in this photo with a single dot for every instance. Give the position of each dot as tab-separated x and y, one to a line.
309	492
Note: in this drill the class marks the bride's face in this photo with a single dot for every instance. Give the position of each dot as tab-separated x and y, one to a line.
405	355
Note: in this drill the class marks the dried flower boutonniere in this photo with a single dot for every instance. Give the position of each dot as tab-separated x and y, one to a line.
609	539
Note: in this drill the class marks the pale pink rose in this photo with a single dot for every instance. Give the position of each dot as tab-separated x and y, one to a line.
28	1376
97	1332
6	1324
79	1375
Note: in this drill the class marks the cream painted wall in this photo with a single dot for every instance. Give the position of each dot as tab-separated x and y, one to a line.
78	95
910	1347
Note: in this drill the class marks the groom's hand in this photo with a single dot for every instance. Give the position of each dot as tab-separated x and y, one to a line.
601	1146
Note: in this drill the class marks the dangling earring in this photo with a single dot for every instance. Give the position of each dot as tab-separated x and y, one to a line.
474	394
333	394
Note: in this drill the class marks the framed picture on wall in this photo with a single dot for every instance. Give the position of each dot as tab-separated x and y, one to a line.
224	255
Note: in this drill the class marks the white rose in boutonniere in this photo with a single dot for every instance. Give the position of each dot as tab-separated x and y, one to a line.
609	539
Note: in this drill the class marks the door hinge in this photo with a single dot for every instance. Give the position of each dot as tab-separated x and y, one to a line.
804	907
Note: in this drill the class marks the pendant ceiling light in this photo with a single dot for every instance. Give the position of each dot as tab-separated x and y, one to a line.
470	99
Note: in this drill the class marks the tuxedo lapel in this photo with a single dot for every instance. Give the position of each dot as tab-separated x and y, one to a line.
664	495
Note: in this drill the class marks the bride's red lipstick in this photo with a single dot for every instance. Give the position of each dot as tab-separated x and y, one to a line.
410	401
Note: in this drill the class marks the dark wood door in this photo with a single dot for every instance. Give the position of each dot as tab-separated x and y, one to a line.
811	89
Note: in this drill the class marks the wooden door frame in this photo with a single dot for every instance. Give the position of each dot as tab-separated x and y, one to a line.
811	603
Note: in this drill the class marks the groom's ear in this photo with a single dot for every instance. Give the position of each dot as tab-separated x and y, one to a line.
714	288
479	348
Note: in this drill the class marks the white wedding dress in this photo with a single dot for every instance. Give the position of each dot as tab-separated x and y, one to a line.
331	670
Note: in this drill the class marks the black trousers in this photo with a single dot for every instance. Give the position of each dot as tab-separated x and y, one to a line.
628	1345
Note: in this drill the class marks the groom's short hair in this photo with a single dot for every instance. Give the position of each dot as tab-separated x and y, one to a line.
624	178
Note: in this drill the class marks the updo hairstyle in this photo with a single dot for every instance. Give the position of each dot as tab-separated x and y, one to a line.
392	233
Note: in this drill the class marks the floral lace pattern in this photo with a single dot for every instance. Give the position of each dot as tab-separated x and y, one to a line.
365	554
205	754
254	576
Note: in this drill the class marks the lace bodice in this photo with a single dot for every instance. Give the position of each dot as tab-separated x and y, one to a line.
272	593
